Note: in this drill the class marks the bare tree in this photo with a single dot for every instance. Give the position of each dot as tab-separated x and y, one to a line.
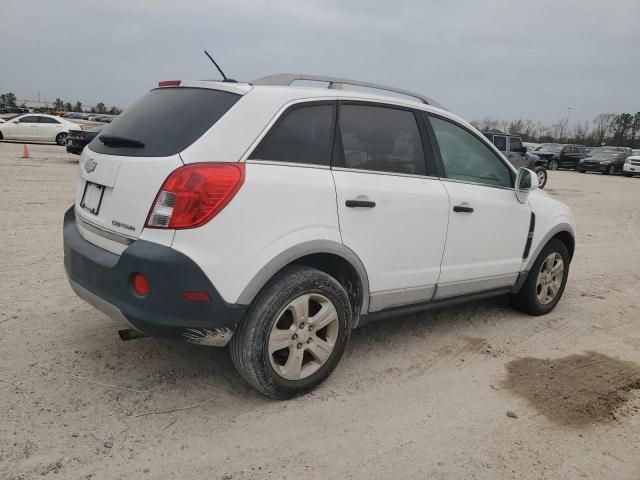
580	132
602	125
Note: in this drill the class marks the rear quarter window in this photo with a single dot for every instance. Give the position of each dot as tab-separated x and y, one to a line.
166	121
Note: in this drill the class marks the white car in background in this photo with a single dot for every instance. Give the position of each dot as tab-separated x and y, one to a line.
33	127
631	165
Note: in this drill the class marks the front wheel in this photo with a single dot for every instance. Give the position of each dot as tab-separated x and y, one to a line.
294	333
628	174
553	165
541	172
61	139
545	283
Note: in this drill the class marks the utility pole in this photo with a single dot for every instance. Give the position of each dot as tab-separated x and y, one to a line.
566	123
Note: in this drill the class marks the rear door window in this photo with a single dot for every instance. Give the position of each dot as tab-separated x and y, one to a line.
380	139
303	134
29	119
48	120
164	122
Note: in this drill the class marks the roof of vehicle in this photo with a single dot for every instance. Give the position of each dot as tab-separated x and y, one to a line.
282	84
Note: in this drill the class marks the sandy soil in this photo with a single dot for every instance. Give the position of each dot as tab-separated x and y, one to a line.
425	396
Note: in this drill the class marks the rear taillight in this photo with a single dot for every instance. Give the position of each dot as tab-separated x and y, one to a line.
169	83
194	194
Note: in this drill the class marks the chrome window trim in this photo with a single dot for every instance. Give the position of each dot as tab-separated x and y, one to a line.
381	172
287	164
454	180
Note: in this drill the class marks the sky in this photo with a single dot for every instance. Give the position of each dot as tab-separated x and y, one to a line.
505	59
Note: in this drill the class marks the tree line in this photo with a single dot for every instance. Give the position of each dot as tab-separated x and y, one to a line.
619	129
9	104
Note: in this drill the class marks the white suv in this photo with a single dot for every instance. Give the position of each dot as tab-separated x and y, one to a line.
277	218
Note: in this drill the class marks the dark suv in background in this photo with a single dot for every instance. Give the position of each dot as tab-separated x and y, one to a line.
557	155
512	148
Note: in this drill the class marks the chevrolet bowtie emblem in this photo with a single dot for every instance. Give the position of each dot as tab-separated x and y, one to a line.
91	165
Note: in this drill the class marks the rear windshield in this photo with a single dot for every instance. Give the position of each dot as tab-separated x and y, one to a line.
164	122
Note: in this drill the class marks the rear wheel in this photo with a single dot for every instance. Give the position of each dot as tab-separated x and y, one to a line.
294	333
61	139
612	169
553	165
625	173
582	171
545	284
541	172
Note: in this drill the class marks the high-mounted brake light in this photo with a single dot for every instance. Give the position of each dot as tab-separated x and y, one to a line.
169	83
194	194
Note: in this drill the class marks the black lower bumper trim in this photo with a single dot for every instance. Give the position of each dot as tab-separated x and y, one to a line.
164	311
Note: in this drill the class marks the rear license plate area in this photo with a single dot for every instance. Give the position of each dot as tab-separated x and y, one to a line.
92	197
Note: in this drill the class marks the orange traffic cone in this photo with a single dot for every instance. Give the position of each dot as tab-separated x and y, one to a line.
25	151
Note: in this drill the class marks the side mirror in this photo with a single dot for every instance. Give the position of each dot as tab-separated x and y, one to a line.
524	149
526	182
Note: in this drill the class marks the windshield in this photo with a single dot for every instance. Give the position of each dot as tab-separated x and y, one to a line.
163	122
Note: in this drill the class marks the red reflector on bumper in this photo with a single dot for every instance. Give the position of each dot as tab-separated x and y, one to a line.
141	284
194	296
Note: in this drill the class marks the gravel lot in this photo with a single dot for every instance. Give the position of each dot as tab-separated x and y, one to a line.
477	391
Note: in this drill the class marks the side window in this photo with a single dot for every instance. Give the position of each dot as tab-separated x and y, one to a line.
48	120
29	119
381	139
500	143
467	158
515	145
302	135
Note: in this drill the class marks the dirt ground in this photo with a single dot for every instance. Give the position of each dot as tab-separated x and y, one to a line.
462	392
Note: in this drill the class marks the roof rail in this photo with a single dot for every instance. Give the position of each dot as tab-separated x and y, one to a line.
286	79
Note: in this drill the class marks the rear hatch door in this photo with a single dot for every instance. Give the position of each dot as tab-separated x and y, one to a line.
123	168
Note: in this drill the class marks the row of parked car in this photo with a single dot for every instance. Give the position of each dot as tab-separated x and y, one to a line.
553	156
92	117
606	159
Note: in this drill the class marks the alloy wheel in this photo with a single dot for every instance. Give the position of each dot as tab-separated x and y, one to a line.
549	278
303	336
62	139
542	177
553	165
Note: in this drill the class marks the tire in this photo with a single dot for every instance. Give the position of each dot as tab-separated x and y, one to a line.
541	172
554	165
625	174
528	299
612	169
582	171
61	139
272	312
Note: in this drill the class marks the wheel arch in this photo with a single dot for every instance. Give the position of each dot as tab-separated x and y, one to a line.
330	257
561	231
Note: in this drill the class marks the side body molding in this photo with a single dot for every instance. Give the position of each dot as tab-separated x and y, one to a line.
307	248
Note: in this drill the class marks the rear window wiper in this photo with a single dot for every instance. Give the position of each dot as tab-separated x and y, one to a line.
117	141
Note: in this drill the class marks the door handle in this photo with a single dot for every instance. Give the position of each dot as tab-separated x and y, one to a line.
462	209
360	203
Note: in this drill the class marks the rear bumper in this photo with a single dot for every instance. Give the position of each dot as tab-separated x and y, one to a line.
103	279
